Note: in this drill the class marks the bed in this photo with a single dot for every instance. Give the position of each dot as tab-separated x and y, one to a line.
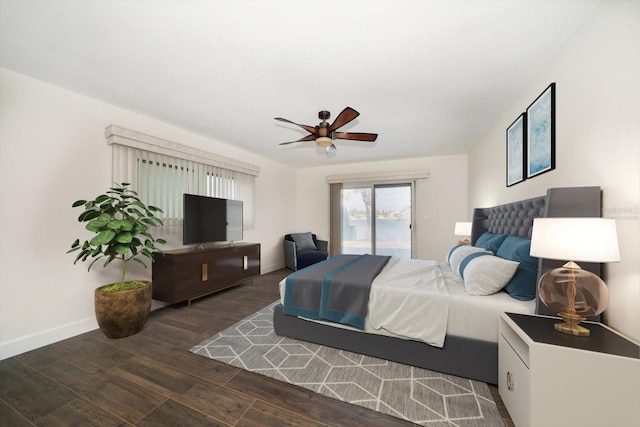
466	351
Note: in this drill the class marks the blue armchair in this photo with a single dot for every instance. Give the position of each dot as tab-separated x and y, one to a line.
304	249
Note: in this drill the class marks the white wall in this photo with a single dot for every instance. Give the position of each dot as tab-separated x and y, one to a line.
597	141
53	152
441	198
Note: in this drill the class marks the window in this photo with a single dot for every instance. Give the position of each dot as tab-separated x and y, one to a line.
161	174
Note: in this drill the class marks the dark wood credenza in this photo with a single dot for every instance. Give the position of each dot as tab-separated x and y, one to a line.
189	273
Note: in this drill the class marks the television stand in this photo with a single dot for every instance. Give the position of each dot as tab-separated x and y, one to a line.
190	273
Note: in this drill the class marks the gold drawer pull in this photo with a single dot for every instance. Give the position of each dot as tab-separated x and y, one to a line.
510	382
205	272
245	263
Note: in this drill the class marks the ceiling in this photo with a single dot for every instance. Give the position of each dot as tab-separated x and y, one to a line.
429	77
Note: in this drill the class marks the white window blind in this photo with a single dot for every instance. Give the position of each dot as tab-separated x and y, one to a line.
162	171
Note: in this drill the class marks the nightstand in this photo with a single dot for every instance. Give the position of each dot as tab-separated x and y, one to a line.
547	378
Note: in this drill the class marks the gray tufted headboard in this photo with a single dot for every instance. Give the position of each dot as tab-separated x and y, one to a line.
516	218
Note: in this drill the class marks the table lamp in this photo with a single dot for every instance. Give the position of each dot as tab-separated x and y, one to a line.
463	229
572	292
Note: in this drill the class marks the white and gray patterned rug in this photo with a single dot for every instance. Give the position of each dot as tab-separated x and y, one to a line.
418	395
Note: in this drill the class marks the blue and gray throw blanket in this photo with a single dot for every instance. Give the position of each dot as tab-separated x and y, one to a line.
336	290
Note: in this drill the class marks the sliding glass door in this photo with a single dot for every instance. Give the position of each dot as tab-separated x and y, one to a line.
356	220
376	219
392	220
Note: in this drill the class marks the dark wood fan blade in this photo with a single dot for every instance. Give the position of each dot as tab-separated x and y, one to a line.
306	138
356	136
343	118
309	129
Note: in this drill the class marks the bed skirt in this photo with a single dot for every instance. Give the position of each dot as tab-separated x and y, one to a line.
463	357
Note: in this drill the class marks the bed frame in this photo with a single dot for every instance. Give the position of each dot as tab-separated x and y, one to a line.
463	357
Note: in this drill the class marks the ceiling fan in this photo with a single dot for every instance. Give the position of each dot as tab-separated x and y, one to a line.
324	133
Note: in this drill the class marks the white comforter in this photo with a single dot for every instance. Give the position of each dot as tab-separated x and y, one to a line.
409	298
409	314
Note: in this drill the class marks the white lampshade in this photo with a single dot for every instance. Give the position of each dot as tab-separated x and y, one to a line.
462	229
575	239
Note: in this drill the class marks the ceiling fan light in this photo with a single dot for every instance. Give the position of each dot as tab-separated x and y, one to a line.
331	149
324	141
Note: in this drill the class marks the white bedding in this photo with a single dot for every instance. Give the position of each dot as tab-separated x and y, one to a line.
404	295
406	314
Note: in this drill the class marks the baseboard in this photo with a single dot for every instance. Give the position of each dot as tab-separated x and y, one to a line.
31	342
265	269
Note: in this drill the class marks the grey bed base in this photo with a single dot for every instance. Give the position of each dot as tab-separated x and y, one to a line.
463	357
452	358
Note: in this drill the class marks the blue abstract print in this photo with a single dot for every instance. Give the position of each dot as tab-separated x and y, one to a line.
540	134
515	147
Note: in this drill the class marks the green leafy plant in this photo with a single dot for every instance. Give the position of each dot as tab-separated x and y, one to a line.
121	224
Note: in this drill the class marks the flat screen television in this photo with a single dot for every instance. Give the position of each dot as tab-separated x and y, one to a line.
210	219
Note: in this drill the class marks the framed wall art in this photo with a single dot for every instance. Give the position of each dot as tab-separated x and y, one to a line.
541	133
516	150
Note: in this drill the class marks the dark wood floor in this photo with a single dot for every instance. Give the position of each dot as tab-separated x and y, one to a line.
151	379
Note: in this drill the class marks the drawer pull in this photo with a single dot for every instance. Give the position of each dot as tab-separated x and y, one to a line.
205	272
510	383
245	263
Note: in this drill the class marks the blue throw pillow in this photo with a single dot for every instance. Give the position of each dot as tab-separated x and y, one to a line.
523	284
490	241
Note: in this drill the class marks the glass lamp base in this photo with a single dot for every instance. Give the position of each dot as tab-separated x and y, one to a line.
574	294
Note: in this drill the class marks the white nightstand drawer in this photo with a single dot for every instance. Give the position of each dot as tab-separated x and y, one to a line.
513	383
515	341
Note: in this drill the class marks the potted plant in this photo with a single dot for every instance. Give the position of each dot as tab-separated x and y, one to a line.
121	224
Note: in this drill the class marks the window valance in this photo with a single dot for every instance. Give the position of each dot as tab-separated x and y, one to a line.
378	176
121	136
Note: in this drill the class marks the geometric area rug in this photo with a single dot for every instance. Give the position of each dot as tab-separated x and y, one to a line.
417	395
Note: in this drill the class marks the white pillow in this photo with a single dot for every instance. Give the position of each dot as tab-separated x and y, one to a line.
486	274
457	254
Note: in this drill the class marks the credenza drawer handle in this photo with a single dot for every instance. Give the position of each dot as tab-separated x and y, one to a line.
205	272
510	382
